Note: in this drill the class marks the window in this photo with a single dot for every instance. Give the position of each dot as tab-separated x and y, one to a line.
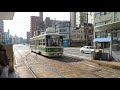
65	36
100	23
39	42
108	35
97	35
102	35
108	21
43	41
81	37
62	30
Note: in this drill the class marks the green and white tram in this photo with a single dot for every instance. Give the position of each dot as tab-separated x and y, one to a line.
50	45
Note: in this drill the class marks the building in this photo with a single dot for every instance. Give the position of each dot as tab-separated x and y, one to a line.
37	25
107	33
1	31
63	27
47	22
50	30
72	20
28	37
81	32
6	38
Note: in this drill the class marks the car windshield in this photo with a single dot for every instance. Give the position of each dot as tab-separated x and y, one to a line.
91	47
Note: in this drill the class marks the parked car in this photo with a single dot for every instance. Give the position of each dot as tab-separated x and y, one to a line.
87	49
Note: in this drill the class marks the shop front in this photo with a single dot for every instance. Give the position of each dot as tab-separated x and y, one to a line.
108	37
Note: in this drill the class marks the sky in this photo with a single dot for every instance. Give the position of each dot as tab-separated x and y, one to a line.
21	21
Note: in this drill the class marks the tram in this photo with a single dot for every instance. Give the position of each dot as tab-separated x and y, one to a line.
50	45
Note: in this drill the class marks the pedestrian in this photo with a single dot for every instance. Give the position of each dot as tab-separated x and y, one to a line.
4	62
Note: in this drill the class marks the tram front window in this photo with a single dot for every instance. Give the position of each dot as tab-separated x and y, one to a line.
54	42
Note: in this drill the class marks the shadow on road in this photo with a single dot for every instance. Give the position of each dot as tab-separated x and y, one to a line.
66	59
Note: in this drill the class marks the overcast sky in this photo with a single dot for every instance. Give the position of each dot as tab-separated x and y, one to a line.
21	21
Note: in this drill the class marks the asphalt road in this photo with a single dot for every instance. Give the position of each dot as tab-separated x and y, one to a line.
76	52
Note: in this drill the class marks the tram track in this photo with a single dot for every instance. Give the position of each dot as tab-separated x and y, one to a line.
42	62
26	64
42	59
59	59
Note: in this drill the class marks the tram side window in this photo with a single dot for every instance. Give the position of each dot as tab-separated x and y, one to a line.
43	41
49	42
37	42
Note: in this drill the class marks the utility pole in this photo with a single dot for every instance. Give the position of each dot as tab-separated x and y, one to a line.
87	29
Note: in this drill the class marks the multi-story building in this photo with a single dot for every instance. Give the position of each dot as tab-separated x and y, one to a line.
1	30
81	28
6	38
107	33
37	25
28	37
47	22
63	28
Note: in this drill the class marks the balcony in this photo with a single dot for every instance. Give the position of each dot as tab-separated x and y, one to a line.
111	26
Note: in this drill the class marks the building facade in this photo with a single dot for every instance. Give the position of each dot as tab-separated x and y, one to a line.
1	31
37	25
28	37
63	28
47	22
107	33
6	38
81	28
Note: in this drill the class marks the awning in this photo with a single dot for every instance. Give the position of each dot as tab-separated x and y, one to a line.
111	26
6	15
102	40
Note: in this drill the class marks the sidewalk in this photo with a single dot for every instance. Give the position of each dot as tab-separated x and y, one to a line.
111	64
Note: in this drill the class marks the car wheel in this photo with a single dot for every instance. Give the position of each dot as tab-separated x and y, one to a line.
82	51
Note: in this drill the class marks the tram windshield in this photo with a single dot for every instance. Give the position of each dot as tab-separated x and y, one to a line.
54	41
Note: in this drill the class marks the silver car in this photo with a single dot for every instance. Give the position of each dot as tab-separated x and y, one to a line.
87	49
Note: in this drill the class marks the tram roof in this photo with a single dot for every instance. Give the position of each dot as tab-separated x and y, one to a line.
47	34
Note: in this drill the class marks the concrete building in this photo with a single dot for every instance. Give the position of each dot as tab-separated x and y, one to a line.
6	38
1	30
4	16
50	30
47	22
63	28
37	25
28	37
107	33
81	34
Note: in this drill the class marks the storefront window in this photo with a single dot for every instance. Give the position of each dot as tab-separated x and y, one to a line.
97	35
102	34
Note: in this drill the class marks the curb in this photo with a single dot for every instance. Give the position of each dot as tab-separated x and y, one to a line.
106	63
